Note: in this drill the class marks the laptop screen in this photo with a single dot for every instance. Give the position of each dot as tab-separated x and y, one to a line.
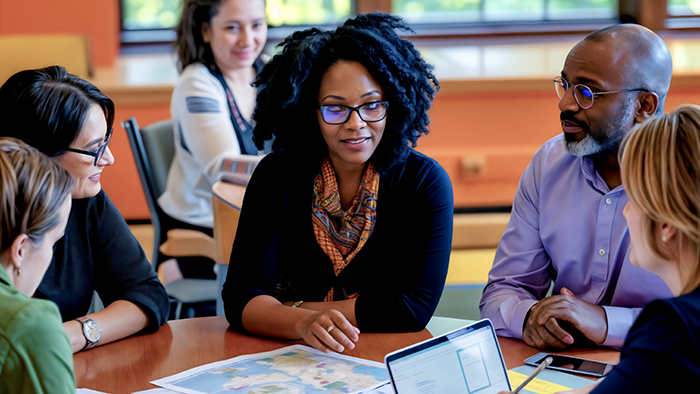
467	360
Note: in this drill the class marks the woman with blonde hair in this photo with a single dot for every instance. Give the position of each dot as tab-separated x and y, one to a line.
36	355
660	162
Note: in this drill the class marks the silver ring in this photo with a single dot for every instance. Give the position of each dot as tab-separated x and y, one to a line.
330	329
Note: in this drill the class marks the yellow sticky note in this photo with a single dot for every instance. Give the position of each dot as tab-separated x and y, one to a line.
538	386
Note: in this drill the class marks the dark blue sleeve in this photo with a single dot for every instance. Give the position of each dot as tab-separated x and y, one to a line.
660	355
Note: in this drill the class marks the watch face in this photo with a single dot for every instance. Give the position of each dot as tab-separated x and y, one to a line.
92	331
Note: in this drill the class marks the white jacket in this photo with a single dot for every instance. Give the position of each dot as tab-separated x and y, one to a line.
204	137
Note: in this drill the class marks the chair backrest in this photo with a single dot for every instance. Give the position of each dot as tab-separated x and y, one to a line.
160	149
153	150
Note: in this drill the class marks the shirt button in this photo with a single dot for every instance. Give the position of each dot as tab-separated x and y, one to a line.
608	200
601	252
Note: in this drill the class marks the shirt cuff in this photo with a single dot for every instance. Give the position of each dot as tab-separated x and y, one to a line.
619	322
517	319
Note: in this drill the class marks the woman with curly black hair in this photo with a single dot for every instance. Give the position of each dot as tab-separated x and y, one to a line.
345	227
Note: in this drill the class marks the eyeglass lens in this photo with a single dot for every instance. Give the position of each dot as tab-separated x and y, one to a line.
582	93
101	150
337	114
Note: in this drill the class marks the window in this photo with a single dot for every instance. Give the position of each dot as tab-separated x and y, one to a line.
683	7
683	14
491	11
307	12
152	20
150	14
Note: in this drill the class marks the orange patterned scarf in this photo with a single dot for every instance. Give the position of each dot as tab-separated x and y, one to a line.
342	234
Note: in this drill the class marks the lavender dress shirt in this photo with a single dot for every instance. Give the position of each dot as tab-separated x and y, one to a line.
567	226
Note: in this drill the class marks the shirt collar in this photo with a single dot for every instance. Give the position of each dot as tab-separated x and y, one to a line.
594	178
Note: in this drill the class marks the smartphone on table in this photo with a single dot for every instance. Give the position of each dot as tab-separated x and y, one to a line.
576	365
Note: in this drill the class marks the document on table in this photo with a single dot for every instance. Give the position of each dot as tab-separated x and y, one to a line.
547	382
293	368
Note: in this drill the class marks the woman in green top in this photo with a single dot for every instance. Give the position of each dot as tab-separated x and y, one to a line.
35	354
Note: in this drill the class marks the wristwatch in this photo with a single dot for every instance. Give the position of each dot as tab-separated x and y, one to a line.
91	332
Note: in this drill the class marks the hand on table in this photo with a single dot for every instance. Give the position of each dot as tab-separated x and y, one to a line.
543	327
329	330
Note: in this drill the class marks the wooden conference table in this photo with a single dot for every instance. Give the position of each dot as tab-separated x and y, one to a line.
129	365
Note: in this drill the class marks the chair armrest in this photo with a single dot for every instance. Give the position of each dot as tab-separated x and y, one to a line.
182	243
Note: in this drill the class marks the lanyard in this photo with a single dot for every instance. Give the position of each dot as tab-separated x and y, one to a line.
243	130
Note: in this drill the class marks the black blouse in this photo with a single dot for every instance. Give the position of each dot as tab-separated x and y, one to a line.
400	271
99	252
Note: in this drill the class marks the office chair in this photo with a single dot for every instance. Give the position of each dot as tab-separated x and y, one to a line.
153	148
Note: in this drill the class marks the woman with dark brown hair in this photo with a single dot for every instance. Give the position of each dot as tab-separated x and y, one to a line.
219	45
70	120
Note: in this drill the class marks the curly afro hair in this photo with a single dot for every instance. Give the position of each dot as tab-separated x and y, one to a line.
288	86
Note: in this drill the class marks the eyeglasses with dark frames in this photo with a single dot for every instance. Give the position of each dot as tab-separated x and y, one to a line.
583	94
97	154
374	111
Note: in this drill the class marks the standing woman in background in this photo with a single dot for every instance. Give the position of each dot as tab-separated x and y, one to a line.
35	355
70	120
219	45
344	227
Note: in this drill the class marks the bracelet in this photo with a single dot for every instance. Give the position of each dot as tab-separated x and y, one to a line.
296	304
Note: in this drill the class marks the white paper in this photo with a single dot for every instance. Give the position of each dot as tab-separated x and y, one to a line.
156	391
293	368
88	391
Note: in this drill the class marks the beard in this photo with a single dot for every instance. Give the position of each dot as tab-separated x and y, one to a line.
606	137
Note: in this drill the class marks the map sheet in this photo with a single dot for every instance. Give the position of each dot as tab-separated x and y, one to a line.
294	369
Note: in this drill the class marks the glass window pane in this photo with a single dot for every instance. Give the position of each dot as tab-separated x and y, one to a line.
150	14
307	12
480	11
437	11
582	9
513	10
683	7
163	14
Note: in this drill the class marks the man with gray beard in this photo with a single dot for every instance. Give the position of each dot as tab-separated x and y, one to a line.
566	225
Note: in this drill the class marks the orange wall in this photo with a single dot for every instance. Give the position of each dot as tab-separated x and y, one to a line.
499	130
99	19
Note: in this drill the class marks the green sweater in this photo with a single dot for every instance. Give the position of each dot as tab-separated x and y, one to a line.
35	353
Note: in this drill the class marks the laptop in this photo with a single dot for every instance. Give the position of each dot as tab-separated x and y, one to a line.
466	360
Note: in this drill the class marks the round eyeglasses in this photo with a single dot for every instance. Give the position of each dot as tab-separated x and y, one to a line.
583	94
97	154
339	114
